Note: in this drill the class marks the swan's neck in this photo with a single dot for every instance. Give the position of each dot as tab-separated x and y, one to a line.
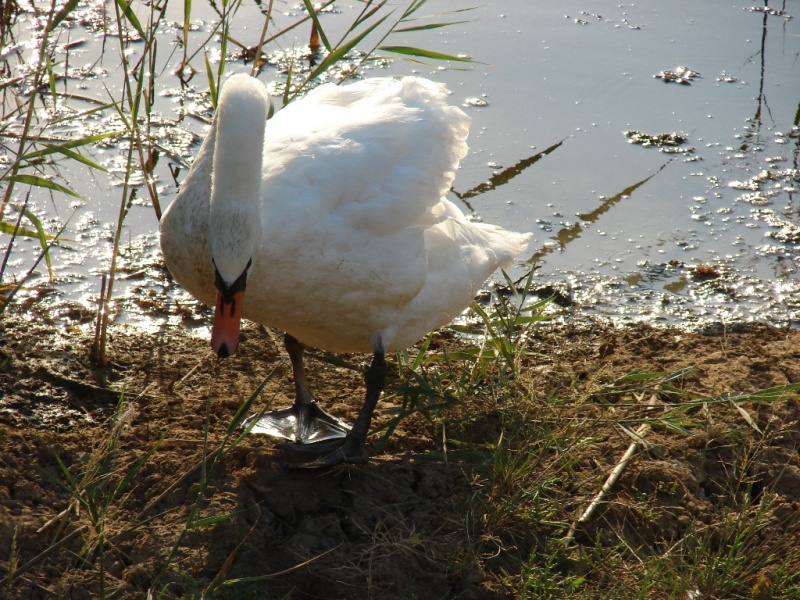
235	217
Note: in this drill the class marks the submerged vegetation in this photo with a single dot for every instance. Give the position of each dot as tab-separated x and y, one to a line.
518	460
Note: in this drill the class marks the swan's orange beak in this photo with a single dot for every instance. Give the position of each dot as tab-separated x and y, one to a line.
227	317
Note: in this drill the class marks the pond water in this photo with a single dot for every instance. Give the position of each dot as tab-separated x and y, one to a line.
701	232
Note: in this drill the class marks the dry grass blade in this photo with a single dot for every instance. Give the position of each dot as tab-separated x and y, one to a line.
192	472
42	556
747	417
277	574
220	578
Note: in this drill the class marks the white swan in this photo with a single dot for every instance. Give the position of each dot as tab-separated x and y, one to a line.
332	216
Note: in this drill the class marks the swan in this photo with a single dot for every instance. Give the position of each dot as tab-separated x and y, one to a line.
329	222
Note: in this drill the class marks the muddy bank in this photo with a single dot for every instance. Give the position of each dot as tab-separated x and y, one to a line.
103	466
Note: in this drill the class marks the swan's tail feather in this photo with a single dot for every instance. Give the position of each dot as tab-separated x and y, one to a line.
503	244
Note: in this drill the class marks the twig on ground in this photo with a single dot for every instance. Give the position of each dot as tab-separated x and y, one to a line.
171	385
615	474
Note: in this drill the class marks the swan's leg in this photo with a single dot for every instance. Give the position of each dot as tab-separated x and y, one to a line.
302	393
353	448
304	422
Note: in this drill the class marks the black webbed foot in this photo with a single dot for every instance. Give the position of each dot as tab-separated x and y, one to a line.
301	423
349	451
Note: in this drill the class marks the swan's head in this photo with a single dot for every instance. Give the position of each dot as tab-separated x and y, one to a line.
235	215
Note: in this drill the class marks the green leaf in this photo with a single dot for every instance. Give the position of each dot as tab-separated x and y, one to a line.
223	51
531	319
338	53
62	14
187	12
51	79
212	85
40	234
639	376
421	354
37	181
9	228
287	86
132	18
244	408
413	7
466	329
89	139
422	53
62	149
466	355
426	27
366	14
210	521
674	426
136	103
407	15
679	374
314	17
768	394
122	485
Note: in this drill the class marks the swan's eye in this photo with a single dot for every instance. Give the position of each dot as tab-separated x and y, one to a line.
237	286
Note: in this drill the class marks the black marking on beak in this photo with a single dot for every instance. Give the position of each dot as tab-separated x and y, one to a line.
229	290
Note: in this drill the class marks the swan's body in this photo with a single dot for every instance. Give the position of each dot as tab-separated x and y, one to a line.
353	245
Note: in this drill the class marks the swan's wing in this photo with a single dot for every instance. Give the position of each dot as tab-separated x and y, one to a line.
379	153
